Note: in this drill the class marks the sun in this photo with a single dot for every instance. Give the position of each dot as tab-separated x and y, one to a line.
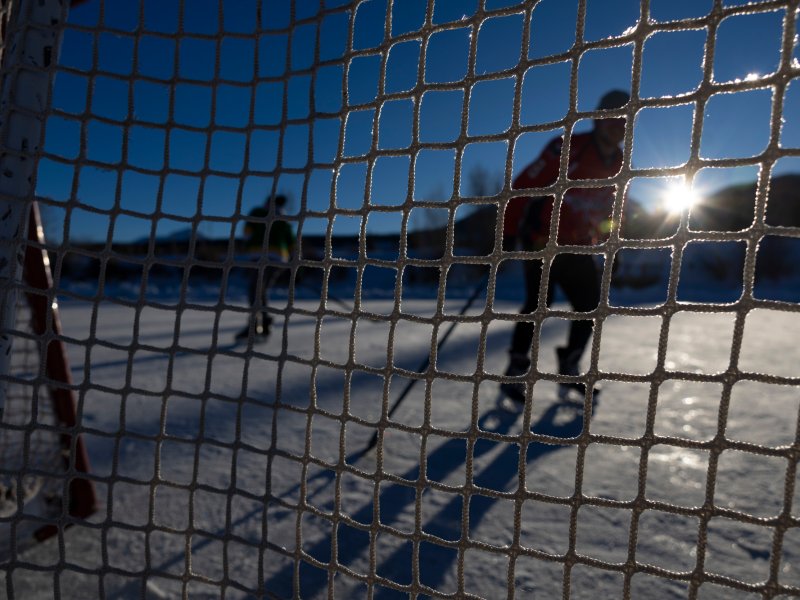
679	197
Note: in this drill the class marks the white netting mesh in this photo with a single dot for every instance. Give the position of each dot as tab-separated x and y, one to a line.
23	413
30	445
236	468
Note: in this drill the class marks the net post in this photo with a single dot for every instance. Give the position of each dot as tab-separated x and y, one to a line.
30	39
82	499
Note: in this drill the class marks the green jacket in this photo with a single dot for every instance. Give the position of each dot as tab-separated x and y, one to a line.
281	236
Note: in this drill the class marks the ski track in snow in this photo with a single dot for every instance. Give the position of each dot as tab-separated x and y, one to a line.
230	416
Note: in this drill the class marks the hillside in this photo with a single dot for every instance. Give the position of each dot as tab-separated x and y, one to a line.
708	268
728	209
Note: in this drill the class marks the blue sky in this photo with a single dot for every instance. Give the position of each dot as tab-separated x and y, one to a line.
162	139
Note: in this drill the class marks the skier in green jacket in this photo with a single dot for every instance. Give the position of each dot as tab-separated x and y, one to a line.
266	233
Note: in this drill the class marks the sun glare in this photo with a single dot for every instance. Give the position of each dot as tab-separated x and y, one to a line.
679	197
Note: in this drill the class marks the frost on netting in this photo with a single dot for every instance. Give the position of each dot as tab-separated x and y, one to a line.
358	449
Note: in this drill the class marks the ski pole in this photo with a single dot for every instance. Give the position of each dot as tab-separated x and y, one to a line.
476	292
333	298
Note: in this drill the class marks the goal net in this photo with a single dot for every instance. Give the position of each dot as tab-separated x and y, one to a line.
281	251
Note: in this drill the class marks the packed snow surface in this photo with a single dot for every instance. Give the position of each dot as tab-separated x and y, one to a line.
189	432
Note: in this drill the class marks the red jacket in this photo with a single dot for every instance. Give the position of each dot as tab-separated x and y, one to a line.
585	212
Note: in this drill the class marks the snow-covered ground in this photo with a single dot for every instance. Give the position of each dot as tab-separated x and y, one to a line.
188	433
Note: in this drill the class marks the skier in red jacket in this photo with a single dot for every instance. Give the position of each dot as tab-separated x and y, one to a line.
584	219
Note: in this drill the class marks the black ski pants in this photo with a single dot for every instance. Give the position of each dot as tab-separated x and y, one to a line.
259	291
578	277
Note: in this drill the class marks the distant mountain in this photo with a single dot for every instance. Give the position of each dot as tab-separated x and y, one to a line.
733	208
729	209
783	207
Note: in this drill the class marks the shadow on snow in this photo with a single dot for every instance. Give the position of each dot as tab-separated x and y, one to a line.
435	560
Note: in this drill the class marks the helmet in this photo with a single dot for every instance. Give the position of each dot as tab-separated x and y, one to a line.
279	200
613	99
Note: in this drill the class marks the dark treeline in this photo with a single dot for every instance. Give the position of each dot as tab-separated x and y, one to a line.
730	209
